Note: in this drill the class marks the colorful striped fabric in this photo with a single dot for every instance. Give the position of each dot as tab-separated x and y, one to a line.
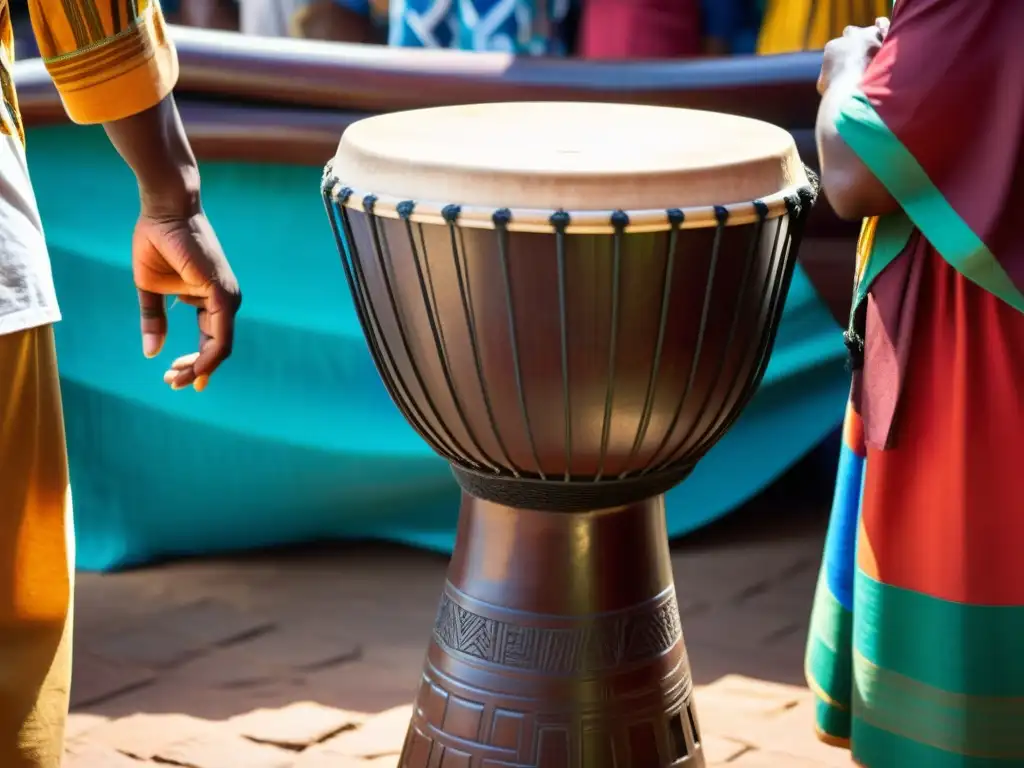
916	649
109	59
915	645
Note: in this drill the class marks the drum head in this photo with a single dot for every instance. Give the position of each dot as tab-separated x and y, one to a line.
571	156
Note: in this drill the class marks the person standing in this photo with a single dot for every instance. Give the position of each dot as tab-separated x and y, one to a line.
113	64
914	651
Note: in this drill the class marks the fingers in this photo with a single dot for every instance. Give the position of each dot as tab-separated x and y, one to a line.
182	373
181	256
183	370
153	310
215	317
881	28
217	326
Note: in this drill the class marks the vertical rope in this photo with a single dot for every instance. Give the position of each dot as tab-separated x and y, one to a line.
401	387
798	207
346	246
620	220
405	210
560	221
721	216
675	219
755	241
501	219
451	216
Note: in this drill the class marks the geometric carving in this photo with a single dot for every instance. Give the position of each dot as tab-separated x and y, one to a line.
514	689
678	747
692	720
594	645
434	702
506	730
455	758
462	719
418	747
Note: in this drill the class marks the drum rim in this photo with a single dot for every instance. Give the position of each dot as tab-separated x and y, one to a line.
587	222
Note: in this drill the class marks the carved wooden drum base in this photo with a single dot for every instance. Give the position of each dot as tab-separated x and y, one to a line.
557	645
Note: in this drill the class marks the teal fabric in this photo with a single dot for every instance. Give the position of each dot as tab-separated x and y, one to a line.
864	131
296	438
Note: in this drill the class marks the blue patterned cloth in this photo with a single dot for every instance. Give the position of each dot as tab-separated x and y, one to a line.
522	27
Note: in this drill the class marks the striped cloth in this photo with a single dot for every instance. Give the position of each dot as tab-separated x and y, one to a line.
915	644
108	58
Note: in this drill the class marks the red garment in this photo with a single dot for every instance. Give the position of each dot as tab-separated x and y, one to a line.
639	29
941	507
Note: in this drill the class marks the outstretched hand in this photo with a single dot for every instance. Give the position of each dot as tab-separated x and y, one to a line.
181	257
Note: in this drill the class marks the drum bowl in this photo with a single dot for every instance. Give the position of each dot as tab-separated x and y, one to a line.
563	370
572	367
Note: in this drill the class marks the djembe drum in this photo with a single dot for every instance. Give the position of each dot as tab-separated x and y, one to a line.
571	303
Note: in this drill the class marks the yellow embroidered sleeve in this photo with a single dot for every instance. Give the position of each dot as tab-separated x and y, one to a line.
109	59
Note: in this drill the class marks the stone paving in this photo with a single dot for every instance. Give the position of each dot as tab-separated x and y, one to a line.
308	659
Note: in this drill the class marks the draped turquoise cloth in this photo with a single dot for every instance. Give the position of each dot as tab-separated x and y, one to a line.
296	438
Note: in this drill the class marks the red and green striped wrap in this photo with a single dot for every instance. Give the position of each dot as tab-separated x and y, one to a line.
939	119
916	648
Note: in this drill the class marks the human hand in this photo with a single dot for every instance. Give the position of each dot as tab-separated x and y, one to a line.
181	256
852	52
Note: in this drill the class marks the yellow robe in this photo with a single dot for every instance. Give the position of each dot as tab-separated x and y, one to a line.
806	25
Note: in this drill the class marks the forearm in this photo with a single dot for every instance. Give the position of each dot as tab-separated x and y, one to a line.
155	146
851	189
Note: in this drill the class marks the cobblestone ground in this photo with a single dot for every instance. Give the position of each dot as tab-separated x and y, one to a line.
308	659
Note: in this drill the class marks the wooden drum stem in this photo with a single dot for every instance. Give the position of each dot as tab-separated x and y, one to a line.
557	645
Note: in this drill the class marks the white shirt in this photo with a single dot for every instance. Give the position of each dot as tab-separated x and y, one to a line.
27	296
